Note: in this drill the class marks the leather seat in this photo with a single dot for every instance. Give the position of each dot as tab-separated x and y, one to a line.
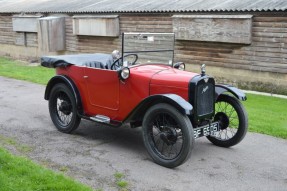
103	61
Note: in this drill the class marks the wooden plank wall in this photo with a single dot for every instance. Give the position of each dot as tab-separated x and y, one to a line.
267	51
152	23
92	44
8	36
6	30
71	40
96	44
31	39
88	44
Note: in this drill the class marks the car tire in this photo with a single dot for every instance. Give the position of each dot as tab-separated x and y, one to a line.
232	116
174	128
62	108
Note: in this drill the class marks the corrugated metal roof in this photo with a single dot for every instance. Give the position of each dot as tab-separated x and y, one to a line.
141	6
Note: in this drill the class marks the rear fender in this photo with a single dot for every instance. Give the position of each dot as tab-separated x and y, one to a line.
69	82
178	102
221	89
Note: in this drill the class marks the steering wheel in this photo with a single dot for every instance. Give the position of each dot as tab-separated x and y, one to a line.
117	63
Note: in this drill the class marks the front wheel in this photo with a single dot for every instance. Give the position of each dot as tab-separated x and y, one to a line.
168	135
62	108
233	122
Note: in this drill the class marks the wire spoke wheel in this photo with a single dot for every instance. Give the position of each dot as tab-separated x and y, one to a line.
229	120
233	122
168	135
62	107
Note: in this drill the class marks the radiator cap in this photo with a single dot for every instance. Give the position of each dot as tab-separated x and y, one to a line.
203	70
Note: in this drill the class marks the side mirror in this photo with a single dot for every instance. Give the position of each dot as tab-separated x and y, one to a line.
179	65
124	73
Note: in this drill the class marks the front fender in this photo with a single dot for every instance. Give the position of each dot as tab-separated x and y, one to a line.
66	80
178	102
222	88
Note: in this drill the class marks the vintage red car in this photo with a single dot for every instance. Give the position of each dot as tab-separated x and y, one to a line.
145	88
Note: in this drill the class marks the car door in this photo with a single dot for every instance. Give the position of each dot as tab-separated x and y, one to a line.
103	88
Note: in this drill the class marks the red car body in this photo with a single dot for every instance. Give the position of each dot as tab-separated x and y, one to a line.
102	92
173	106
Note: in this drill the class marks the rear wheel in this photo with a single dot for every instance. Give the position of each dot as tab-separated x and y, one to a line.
232	119
167	135
62	108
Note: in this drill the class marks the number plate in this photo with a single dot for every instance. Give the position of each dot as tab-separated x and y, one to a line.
206	130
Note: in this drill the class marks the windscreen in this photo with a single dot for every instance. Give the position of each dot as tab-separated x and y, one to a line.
149	47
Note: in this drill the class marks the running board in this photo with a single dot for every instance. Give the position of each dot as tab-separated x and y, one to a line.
101	119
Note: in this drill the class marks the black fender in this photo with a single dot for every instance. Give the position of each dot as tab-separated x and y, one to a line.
178	102
69	82
222	88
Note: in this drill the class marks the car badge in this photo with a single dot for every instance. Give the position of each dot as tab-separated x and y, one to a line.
203	69
206	80
204	90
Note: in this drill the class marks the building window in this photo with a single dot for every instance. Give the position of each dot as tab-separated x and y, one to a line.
25	23
213	28
103	25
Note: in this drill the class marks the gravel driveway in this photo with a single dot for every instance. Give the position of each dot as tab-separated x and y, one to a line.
94	153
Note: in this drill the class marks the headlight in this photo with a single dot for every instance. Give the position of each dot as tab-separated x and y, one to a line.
125	73
179	65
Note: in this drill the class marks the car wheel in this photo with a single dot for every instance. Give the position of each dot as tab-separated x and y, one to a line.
233	121
168	135
62	108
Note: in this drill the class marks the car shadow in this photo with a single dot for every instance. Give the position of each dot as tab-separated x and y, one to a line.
124	137
129	140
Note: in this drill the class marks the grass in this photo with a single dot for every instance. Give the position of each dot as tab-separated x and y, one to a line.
19	147
16	69
18	173
118	175
267	115
122	184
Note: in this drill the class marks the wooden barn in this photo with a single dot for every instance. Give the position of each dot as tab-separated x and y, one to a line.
241	42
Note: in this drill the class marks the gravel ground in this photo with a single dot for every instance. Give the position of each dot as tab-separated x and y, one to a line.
94	153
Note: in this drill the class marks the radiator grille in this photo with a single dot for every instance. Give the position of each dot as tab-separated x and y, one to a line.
205	99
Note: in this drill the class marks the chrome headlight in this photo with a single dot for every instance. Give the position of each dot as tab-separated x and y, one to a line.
179	65
125	73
